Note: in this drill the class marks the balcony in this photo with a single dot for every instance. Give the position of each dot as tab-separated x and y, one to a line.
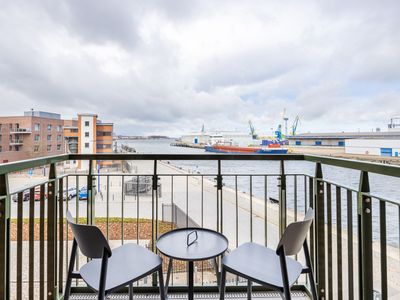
20	131
354	241
16	142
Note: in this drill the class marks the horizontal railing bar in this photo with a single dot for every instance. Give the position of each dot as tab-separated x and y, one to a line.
389	170
185	174
27	187
205	156
336	184
380	199
377	168
31	163
394	202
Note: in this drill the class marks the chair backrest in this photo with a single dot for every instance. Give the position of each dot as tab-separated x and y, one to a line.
90	239
295	234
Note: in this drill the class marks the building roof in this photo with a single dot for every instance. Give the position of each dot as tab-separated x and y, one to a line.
88	114
42	114
348	135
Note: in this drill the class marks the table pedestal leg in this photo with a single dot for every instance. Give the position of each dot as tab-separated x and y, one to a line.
168	277
191	283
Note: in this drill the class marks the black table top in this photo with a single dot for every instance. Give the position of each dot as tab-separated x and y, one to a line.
209	244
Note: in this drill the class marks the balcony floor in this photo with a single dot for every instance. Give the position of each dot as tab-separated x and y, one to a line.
298	295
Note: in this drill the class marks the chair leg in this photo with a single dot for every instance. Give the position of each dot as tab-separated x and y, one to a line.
67	291
310	271
286	292
284	273
222	284
249	289
161	283
103	276
130	287
312	284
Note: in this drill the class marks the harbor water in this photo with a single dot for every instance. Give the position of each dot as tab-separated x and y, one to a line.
382	186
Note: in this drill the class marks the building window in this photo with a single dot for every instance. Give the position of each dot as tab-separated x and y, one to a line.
86	145
386	151
37	137
86	134
49	137
58	128
48	147
58	147
341	144
59	137
103	146
0	137
37	126
36	148
87	123
103	133
298	143
48	126
1	127
318	143
1	148
10	148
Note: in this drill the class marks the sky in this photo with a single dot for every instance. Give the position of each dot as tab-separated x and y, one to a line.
168	67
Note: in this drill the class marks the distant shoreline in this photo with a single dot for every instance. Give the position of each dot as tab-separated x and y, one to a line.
140	137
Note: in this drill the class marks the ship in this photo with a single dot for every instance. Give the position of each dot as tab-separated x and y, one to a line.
275	149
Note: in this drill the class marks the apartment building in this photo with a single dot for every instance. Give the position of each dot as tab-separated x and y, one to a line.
32	135
94	136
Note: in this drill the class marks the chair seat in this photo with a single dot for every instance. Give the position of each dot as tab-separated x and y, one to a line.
128	263
260	264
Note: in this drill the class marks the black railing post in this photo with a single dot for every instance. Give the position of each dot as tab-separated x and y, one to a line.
90	201
219	199
52	234
282	199
319	202
154	215
364	221
4	238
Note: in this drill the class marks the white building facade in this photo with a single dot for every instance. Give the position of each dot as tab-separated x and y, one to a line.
377	147
87	141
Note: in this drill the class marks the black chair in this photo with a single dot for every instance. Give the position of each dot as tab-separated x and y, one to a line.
109	270
272	268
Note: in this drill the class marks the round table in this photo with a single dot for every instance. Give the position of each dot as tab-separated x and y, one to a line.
191	244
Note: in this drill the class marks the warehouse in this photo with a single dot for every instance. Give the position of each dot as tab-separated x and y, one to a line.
373	147
339	139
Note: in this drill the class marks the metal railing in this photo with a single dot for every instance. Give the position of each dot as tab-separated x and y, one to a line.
349	246
16	142
20	130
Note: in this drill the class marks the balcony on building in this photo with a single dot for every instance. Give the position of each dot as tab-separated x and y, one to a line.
15	130
16	142
354	240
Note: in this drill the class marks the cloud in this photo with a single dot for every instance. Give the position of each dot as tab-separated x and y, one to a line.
167	67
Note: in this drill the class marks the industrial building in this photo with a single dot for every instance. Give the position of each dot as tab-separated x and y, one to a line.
222	137
339	138
373	147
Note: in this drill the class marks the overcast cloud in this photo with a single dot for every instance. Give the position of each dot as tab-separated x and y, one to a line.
167	67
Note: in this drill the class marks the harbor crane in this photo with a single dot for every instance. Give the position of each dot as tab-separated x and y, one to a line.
295	124
252	131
